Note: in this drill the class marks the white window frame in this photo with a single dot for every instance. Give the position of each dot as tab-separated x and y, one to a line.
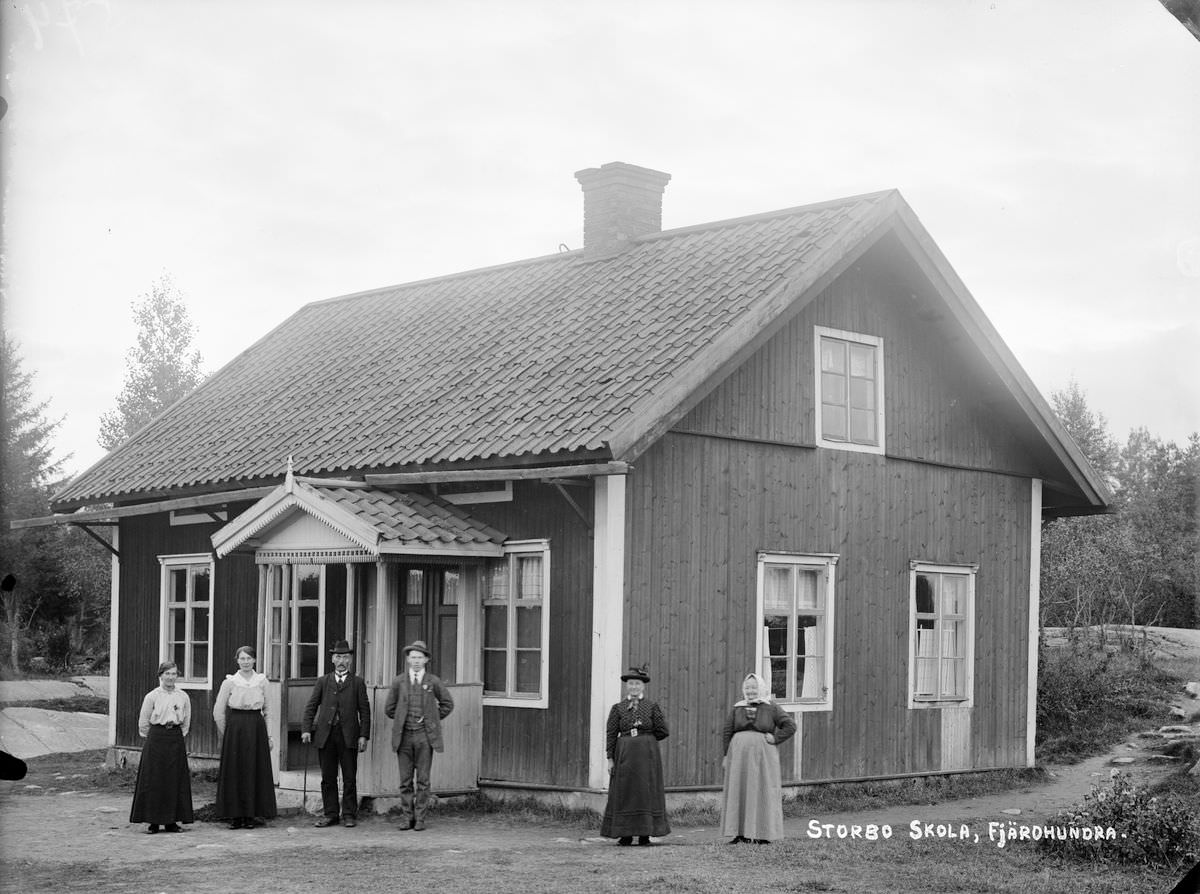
873	341
511	699
968	619
167	564
825	565
274	600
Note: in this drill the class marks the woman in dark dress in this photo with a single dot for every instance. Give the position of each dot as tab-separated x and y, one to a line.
752	799
163	793
245	782
637	800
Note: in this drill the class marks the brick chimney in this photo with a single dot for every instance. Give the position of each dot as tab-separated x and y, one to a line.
620	203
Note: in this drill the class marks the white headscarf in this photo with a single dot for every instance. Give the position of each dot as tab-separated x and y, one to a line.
764	691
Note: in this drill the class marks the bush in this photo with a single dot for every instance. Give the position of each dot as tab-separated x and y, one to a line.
1091	695
1160	831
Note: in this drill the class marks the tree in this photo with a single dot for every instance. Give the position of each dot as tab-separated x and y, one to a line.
160	369
1137	565
25	479
1087	429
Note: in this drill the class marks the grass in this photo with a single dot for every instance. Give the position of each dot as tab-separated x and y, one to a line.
87	704
1092	695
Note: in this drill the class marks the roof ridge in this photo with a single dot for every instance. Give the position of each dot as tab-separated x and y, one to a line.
878	195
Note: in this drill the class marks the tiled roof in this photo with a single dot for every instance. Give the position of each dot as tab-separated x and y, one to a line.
408	518
540	357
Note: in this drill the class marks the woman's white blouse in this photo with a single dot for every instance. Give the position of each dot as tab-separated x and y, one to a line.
165	706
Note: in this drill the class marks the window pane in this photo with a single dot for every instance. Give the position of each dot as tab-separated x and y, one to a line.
494	671
200	585
450	587
954	593
200	625
833	389
862	394
496	580
862	426
810	678
529	671
308	582
954	678
529	627
952	639
809	639
199	661
495	627
308	664
777	589
808	596
179	585
833	422
529	577
779	677
927	670
833	355
862	360
178	624
924	595
414	590
179	655
308	624
777	634
276	623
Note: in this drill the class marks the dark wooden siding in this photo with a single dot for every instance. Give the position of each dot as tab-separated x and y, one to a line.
740	473
549	746
235	598
692	597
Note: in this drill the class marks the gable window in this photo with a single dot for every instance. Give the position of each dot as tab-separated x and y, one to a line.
795	651
516	625
849	390
941	634
185	599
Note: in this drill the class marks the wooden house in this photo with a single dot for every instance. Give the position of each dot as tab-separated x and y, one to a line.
789	442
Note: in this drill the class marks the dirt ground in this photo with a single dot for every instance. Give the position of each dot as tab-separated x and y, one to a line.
54	837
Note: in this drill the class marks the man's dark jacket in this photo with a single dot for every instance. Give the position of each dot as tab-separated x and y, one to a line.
350	706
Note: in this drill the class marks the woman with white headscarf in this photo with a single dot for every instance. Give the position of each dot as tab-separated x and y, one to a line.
752	800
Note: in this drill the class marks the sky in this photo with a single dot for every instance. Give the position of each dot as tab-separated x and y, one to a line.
269	154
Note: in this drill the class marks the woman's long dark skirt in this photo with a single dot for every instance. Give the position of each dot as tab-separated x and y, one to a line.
245	782
637	800
163	793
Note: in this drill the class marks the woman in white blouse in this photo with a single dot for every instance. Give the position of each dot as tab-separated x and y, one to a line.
245	782
163	794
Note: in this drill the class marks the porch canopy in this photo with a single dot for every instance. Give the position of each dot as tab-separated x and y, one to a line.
348	520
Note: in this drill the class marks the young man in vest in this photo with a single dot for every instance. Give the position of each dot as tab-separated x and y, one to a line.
418	702
343	726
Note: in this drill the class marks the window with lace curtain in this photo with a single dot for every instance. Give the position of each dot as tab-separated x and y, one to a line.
795	650
516	625
942	599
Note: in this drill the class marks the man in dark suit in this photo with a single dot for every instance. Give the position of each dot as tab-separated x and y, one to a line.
417	702
343	726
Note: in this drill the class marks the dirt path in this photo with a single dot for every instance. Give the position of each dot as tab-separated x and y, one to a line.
93	827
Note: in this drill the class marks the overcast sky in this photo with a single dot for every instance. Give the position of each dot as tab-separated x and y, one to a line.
270	154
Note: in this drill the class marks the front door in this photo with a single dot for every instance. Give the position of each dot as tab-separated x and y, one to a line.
429	607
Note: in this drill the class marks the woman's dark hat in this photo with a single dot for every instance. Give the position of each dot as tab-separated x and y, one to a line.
417	645
637	673
341	647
